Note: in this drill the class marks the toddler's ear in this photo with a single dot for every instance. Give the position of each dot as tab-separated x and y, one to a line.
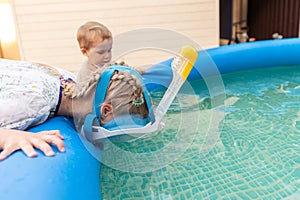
84	51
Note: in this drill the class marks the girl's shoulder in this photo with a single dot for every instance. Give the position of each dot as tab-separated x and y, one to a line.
17	66
42	69
67	75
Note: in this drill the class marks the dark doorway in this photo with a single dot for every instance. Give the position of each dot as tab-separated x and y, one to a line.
266	17
225	11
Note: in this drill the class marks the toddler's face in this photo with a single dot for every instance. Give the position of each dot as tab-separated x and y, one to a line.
100	53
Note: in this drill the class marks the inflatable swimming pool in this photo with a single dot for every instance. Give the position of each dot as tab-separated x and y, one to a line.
75	173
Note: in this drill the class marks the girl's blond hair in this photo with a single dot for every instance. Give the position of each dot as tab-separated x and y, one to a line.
124	93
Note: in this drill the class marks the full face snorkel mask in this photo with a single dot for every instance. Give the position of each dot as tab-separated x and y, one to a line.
132	125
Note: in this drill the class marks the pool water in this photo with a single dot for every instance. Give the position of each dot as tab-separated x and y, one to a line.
256	153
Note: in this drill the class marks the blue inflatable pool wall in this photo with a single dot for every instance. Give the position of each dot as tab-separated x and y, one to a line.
231	58
75	173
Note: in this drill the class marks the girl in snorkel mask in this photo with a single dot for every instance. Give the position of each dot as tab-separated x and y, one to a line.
121	94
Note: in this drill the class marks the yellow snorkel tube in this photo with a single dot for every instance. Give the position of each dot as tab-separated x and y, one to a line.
181	66
191	54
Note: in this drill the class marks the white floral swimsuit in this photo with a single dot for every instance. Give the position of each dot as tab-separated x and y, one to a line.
29	93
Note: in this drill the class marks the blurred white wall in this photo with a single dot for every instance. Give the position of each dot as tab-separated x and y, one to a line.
47	29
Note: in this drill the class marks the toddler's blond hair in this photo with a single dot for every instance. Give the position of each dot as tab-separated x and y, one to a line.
90	32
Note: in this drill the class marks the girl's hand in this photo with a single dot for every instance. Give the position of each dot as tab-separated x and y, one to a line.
13	140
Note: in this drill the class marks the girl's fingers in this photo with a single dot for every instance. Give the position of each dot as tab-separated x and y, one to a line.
25	146
53	137
43	146
57	133
28	141
55	141
28	149
53	132
5	153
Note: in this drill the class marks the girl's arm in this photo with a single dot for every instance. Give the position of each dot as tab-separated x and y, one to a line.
13	140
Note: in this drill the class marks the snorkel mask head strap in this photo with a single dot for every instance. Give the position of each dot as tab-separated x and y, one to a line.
94	118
